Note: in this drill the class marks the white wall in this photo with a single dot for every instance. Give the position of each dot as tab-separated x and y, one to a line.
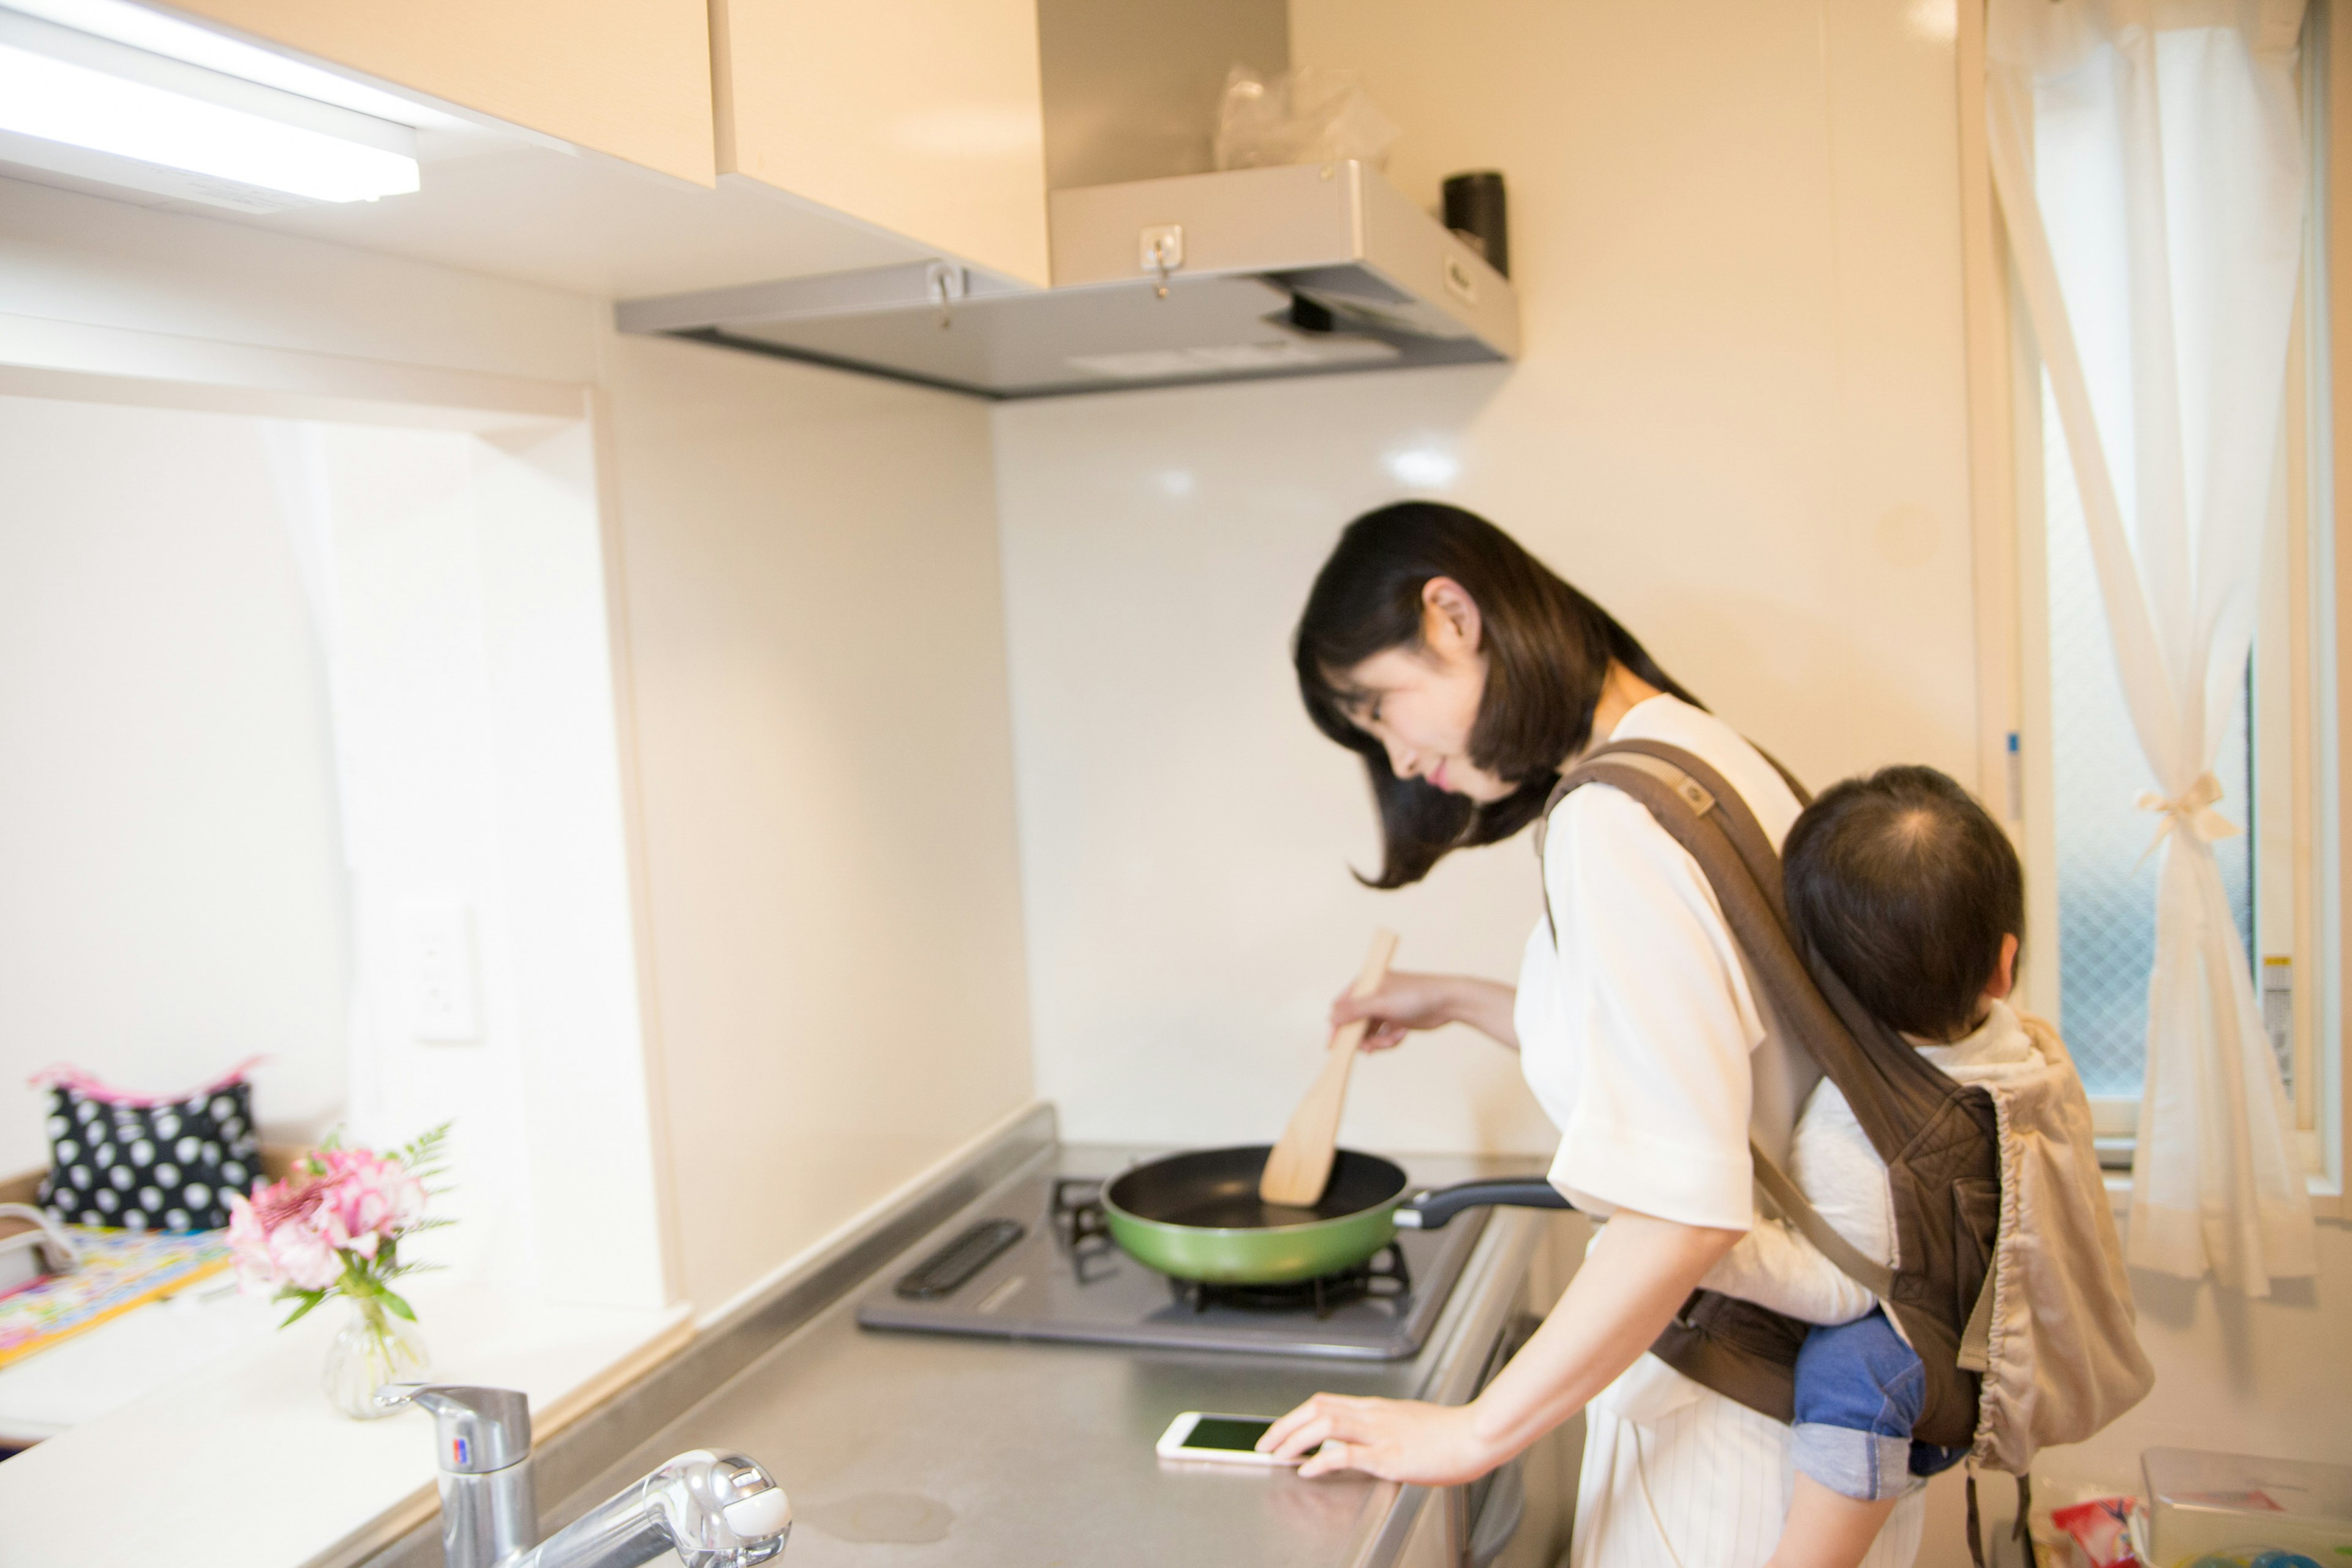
2249	1377
479	769
1739	422
174	898
459	579
816	646
825	896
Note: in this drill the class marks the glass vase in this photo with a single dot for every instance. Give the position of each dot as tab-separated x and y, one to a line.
371	1349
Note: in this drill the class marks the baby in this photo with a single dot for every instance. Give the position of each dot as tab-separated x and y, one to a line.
1911	893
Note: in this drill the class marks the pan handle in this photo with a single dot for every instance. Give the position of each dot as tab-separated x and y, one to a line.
1430	1210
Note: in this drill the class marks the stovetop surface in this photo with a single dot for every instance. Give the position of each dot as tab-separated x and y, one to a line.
1023	1453
1039	1288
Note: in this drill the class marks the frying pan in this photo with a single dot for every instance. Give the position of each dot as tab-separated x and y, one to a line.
1198	1216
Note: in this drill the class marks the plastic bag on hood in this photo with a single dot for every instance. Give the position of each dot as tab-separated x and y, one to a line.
1308	115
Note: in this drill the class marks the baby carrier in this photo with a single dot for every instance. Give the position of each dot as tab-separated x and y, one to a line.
2000	1208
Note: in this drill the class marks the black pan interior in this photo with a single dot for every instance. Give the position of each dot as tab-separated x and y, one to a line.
1216	1189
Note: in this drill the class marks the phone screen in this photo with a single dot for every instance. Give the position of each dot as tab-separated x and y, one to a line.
1231	1434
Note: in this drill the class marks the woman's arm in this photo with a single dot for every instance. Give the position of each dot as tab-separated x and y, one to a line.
1632	1283
1408	1001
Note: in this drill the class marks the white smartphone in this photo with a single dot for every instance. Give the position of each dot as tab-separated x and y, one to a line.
1222	1439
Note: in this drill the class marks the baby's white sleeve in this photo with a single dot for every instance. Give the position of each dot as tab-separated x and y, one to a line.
1774	1266
1831	1161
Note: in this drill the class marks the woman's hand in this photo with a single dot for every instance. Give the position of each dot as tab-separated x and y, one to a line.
1627	1291
1402	1003
1405	1003
1395	1440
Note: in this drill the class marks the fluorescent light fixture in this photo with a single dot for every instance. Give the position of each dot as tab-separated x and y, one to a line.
90	107
176	39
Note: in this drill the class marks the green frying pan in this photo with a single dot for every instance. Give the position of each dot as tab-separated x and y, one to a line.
1198	1216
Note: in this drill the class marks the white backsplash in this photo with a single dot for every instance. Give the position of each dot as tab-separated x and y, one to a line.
1739	422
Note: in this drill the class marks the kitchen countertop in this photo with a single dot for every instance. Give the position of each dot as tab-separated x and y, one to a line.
125	1359
892	1444
242	1464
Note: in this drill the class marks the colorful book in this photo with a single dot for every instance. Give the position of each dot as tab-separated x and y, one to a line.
120	1269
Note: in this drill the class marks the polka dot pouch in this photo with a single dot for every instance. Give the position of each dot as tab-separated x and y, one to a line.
131	1161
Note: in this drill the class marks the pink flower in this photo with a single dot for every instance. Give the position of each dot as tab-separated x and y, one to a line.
274	1239
369	1199
248	1243
304	1259
340	1205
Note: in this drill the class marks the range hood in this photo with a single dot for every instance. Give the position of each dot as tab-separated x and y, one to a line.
1236	275
1166	270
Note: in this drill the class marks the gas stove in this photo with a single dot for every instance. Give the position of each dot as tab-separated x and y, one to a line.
1032	1260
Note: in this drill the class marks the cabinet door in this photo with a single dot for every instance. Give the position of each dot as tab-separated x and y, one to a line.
1434	1541
630	77
924	119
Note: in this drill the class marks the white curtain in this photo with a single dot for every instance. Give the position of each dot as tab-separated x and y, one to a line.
2149	157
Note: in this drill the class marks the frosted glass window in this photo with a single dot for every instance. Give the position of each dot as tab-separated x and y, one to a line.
2107	879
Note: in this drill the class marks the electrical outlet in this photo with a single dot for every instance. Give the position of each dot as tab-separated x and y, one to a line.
440	960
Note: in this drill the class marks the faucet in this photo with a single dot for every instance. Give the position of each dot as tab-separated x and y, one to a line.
714	1509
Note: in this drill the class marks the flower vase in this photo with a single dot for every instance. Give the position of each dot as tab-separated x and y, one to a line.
371	1349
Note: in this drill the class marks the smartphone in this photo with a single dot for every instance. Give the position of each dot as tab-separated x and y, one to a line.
1225	1439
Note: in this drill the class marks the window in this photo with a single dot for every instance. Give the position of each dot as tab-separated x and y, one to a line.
2092	881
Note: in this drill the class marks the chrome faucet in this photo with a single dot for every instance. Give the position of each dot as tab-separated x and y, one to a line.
714	1509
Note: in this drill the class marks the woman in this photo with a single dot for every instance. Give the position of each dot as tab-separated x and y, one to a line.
1467	675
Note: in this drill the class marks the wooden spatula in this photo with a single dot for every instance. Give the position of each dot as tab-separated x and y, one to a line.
1300	1166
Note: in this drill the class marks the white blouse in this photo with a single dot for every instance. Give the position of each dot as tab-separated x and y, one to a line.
1639	1033
1636	1031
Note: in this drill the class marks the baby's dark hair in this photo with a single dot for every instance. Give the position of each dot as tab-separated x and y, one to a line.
1904	886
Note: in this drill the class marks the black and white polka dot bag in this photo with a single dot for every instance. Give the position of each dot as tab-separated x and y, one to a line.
134	1162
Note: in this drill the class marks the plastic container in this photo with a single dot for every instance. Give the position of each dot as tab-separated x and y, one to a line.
2236	1504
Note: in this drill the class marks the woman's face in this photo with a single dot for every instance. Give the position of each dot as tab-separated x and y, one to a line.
1420	704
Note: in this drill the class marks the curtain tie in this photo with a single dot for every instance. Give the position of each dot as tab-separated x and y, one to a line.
2190	812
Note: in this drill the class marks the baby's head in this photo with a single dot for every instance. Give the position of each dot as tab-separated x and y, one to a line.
1910	891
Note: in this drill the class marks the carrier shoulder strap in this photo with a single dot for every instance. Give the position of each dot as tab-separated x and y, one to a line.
1892	1089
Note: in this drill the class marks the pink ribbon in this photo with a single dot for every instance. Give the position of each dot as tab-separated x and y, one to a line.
62	1076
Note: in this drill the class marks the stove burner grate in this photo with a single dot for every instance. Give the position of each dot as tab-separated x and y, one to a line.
1382	1277
1076	1216
1079	1224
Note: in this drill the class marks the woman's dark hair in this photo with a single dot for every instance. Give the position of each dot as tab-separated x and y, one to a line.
1547	650
1905	886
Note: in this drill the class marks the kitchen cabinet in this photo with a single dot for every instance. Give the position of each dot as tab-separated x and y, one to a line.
1431	1543
924	120
629	78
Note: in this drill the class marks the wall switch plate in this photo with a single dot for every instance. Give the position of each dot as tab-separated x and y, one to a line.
437	947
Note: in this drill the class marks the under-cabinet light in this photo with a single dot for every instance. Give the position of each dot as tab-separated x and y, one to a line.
157	33
86	106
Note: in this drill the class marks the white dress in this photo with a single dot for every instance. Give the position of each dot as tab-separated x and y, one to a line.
1637	1033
